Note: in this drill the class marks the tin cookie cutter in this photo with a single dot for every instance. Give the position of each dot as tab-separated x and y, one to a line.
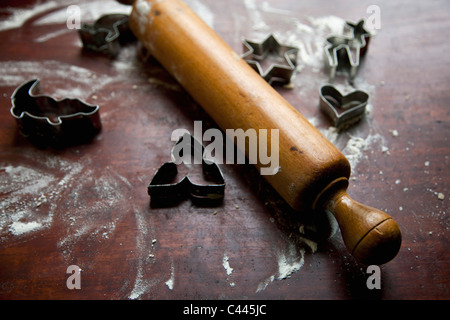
165	190
280	71
345	52
46	121
344	110
107	34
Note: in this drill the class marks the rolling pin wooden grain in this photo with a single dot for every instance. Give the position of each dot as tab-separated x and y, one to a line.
313	173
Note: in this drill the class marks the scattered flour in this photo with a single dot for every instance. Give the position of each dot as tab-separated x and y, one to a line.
289	262
145	247
255	17
439	195
57	12
169	283
18	228
226	265
203	11
228	269
29	190
141	14
18	17
52	35
141	285
353	147
78	82
357	145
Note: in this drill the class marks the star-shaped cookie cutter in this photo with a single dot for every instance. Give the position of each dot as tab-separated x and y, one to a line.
165	190
344	110
345	52
278	72
107	34
46	121
359	34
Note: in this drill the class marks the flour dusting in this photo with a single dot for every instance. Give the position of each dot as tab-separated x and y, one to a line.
169	283
17	228
145	244
32	193
226	265
79	82
17	17
202	11
289	261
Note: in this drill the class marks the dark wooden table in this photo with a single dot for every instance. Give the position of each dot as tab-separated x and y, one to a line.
87	205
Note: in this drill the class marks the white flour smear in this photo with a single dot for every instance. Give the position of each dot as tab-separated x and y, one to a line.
76	82
226	265
17	17
170	283
289	261
145	245
31	195
87	221
36	198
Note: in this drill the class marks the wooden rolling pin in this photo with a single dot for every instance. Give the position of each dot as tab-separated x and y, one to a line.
313	173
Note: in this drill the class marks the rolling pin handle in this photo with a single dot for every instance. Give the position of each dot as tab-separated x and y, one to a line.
371	235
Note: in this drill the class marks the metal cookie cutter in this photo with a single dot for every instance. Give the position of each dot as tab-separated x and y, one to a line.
165	190
107	34
360	35
46	121
345	53
280	71
343	110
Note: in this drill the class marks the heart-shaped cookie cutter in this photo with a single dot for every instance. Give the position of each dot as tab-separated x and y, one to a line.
165	191
344	110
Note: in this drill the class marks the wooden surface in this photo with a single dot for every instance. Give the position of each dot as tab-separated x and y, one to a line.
88	206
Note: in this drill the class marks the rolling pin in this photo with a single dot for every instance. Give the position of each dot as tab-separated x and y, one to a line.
313	174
